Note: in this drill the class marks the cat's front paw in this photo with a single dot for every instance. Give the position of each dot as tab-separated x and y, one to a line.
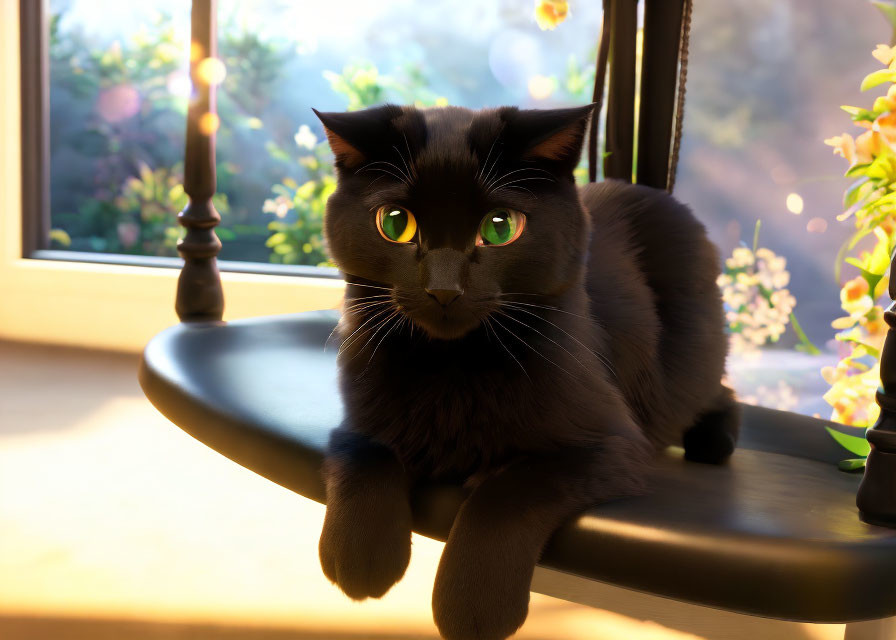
363	549
477	598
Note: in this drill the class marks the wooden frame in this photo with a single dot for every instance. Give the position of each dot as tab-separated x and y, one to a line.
35	109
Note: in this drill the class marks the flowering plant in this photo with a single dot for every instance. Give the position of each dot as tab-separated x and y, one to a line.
870	201
758	304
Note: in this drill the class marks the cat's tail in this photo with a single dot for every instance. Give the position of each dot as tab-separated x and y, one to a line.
713	436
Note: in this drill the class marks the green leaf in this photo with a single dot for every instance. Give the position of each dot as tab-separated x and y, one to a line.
276	239
888	8
877	78
880	259
846	246
60	236
857	192
853	444
857	170
851	464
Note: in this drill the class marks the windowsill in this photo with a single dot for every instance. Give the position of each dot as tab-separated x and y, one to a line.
260	268
121	307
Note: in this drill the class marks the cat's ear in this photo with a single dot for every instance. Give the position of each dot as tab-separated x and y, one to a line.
355	136
553	135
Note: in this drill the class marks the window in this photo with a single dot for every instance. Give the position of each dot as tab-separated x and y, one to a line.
765	83
118	88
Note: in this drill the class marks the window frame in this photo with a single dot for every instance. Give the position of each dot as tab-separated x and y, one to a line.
96	300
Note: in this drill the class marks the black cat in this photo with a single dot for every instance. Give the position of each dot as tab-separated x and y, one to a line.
506	329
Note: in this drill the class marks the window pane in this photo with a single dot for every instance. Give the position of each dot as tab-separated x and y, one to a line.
119	86
765	83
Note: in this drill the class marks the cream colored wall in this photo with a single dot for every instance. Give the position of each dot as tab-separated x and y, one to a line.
95	305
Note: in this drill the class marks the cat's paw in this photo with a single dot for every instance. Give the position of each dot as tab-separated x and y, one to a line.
365	550
476	598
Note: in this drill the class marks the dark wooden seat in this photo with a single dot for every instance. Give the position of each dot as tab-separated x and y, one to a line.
774	533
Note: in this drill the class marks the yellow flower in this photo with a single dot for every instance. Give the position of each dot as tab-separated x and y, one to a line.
886	125
844	146
855	301
884	54
854	289
868	146
550	13
888	224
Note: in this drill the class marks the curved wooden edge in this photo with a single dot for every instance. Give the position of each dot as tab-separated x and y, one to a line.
282	461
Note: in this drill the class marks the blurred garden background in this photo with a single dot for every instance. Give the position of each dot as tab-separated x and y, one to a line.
765	85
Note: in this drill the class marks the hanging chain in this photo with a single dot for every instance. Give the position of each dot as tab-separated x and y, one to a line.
682	83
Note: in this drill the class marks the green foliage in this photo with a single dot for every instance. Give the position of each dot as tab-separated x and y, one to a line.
112	115
298	231
854	444
145	204
300	204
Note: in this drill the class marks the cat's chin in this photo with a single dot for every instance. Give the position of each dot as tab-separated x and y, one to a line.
447	331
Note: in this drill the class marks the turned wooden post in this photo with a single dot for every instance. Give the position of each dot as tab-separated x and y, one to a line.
876	498
199	293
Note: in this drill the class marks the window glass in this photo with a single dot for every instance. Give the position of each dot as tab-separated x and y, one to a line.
119	85
765	83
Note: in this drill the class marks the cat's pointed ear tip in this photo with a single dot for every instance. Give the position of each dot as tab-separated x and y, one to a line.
589	108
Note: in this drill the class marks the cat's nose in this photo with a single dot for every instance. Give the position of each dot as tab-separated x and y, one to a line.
445	296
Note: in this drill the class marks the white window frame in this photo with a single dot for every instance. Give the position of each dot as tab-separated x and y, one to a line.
106	306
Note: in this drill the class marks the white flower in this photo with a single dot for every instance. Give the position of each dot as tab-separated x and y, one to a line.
304	138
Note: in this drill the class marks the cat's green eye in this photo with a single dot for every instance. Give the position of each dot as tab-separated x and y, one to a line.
500	226
396	224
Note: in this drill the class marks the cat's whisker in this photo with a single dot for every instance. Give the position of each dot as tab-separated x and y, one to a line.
489	326
487	180
349	341
367	298
360	303
544	306
413	169
529	191
407	171
369	186
365	307
510	173
597	355
531	347
506	184
395	325
369	286
529	326
330	337
391	173
388	164
370	296
485	164
498	179
375	331
366	332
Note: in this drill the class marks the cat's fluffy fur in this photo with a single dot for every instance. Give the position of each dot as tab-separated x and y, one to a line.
571	356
